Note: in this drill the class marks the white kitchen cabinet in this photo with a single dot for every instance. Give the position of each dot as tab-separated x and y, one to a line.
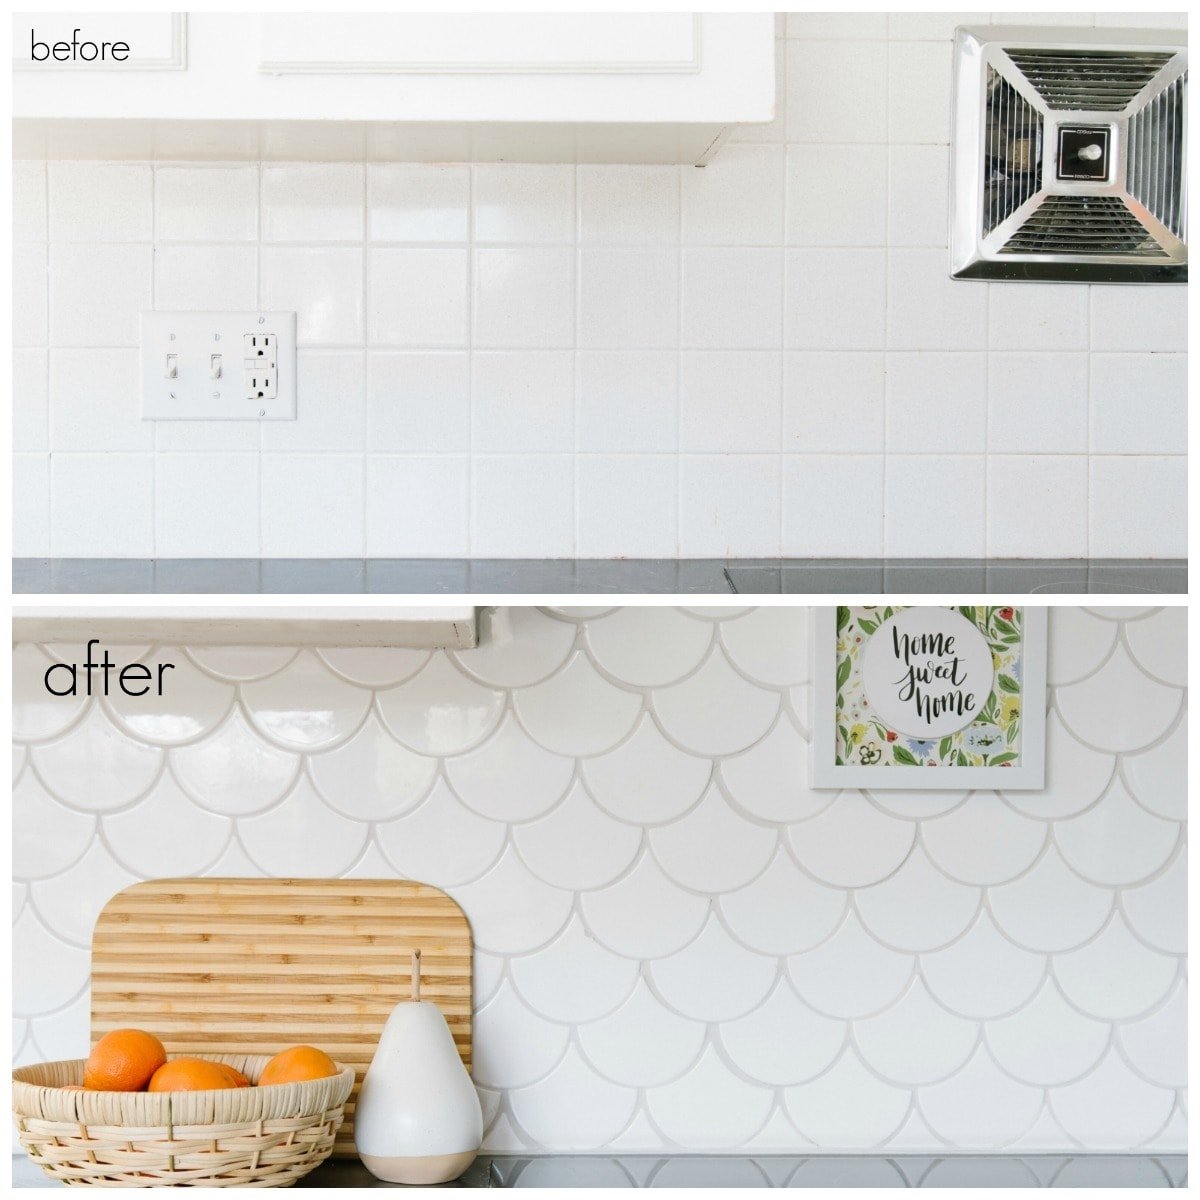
544	87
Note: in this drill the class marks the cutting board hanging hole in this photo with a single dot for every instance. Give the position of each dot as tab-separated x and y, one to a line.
416	976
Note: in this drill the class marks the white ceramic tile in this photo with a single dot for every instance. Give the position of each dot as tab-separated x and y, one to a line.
206	204
330	406
937	403
517	647
832	505
626	506
97	293
918	95
522	507
31	505
927	310
312	202
729	505
416	507
983	974
205	278
102	500
31	416
524	202
551	710
522	401
524	298
934	501
837	195
737	199
833	402
417	297
628	298
1139	404
100	202
1149	641
732	298
1037	506
816	92
225	524
323	287
729	402
1038	403
1138	507
919	26
300	520
576	846
627	205
418	402
1131	318
857	26
783	911
834	300
30	288
690	1111
29	201
418	202
1038	316
879	1108
917	186
627	401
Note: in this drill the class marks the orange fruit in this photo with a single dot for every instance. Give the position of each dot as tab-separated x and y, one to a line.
191	1075
296	1064
123	1061
238	1078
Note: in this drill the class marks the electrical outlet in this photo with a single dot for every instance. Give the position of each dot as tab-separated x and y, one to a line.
237	366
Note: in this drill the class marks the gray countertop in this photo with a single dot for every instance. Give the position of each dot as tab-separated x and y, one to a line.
682	1170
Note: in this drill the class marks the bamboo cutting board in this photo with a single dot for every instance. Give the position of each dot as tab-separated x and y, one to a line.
250	966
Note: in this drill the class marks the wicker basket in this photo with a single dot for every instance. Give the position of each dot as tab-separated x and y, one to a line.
243	1137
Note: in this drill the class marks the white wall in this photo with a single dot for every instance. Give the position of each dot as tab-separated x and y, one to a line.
764	357
679	944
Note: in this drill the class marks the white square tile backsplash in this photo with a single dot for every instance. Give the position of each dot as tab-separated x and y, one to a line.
679	945
821	236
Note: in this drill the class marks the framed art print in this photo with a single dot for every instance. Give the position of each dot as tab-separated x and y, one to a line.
929	697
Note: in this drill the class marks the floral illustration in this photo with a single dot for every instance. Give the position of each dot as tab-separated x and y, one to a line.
993	739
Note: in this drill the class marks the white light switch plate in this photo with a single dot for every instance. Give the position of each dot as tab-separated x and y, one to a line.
199	366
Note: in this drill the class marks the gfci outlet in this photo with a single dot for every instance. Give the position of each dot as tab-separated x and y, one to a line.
199	366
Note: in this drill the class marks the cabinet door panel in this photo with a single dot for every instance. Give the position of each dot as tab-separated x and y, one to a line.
157	41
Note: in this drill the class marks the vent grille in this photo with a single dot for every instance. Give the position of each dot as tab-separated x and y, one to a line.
1013	171
1156	137
1083	225
1104	80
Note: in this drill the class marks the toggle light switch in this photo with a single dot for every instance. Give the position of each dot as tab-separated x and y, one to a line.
214	366
172	371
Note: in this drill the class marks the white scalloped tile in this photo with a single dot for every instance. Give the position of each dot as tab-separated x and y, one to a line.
63	970
1077	643
979	1107
709	1107
1157	910
239	664
502	1138
1047	1041
370	864
649	646
47	837
35	713
851	975
782	1041
1155	644
917	806
1116	841
574	979
1045	1134
510	777
512	911
1158	776
20	760
70	903
982	974
916	1041
65	1033
165	834
373	666
983	841
305	706
192	704
617	914
917	908
440	710
642	1042
646	780
848	1107
577	845
712	848
1020	907
302	836
851	843
1115	976
487	971
1076	776
550	1110
233	770
513	1046
234	863
770	644
441	841
577	711
713	978
372	777
1111	1108
715	711
1156	1045
777	1137
783	911
770	780
518	646
1119	707
913	1136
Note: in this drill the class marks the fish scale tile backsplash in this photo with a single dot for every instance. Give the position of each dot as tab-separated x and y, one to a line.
680	945
765	357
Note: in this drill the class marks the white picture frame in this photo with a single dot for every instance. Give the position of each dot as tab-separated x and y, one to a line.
1028	773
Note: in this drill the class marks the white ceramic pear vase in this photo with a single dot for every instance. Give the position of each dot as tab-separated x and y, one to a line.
418	1118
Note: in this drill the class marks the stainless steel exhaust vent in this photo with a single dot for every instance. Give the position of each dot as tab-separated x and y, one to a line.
1069	155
